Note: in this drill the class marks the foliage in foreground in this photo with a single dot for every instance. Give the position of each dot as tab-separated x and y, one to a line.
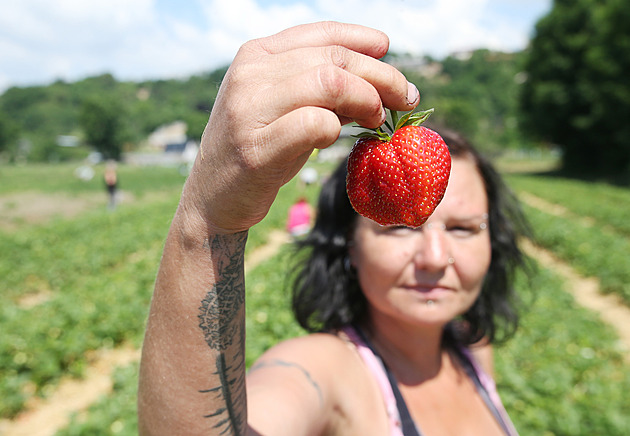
562	373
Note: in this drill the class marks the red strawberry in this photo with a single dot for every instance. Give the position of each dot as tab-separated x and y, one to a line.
399	179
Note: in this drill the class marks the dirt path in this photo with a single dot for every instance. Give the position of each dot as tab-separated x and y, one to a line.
274	242
553	209
28	208
43	417
586	292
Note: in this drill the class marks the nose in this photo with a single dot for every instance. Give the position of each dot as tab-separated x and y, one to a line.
433	249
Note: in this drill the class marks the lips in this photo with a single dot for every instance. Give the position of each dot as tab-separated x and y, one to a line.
430	291
423	287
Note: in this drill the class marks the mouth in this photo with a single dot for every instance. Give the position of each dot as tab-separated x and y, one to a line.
430	291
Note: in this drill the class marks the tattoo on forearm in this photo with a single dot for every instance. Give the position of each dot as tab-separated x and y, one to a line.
224	332
228	419
284	363
223	302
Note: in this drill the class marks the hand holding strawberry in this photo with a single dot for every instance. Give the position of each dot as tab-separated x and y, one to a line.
398	179
283	96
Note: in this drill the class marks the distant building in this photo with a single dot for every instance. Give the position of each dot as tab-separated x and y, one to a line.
169	146
419	65
186	151
67	141
173	133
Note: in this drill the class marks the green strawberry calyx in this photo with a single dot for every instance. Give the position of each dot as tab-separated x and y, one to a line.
385	132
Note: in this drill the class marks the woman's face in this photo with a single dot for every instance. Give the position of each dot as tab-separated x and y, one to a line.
432	274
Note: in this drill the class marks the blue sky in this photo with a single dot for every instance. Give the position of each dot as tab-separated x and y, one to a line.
42	40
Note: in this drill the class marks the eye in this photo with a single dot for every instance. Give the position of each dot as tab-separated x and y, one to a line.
466	230
398	230
462	232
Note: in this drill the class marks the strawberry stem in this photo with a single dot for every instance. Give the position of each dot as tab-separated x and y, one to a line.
394	115
408	119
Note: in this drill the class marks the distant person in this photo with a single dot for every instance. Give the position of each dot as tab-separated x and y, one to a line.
308	176
111	184
300	218
84	173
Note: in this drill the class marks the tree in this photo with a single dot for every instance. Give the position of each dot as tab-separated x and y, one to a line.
9	135
101	120
474	93
577	93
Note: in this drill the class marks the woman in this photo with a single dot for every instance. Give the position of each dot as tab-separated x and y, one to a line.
378	288
282	97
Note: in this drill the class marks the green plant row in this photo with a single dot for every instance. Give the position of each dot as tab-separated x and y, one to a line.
53	256
269	317
593	251
97	275
561	374
114	414
606	204
269	320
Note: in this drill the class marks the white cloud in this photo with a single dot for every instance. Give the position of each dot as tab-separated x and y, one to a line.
41	41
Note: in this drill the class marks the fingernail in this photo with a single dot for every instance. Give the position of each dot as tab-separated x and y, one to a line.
413	95
383	116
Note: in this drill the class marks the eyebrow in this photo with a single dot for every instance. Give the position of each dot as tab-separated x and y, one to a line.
483	216
479	217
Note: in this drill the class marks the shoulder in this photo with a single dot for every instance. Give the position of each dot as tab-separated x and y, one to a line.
321	353
311	379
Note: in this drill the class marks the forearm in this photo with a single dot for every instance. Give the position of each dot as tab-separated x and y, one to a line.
192	375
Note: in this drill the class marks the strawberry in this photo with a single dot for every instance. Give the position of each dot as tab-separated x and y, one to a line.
398	179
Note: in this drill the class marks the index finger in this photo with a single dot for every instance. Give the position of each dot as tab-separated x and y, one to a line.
358	38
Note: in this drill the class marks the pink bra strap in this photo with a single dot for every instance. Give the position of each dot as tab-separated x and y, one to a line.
376	368
490	386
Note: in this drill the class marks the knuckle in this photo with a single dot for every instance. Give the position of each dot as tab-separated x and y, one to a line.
253	47
238	75
333	80
338	56
374	107
332	29
316	127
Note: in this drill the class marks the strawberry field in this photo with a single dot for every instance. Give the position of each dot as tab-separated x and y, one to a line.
74	285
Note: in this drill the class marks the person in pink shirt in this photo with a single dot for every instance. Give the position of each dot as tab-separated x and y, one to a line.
300	218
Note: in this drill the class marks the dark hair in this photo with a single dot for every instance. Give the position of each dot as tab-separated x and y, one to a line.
326	292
